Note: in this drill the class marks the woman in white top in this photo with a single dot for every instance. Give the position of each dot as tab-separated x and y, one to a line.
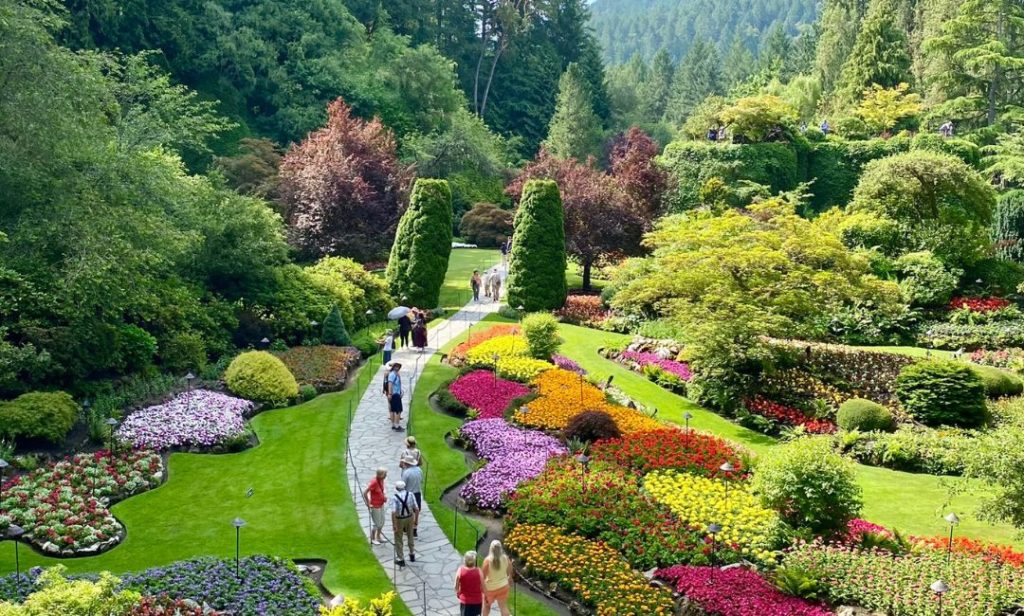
411	451
497	571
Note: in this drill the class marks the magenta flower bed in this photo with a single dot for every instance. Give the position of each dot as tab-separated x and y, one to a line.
677	368
199	418
513	456
481	391
735	592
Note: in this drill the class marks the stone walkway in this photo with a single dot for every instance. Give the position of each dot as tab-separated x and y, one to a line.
373	444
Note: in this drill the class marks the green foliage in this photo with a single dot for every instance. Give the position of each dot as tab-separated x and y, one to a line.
697	77
882	108
999	464
963	149
486	225
183	352
1008	227
537	263
261	377
798	582
998	383
864	415
880	55
760	118
307	392
58	595
924	280
938	392
334	331
419	257
1004	160
972	336
810	486
48	415
575	130
836	164
541	332
590	426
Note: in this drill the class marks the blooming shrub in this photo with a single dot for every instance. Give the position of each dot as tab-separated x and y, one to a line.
562	395
513	455
476	338
747	527
606	503
523	369
1012	359
481	391
585	310
678	368
265	585
979	304
789	416
63	506
323	366
735	592
899	585
198	418
594	572
565	363
162	605
669	448
482	355
858	530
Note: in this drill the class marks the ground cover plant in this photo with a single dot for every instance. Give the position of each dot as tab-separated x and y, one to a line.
323	366
196	418
735	592
63	506
485	393
781	414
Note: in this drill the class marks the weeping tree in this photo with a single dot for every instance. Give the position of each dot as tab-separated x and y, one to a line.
423	244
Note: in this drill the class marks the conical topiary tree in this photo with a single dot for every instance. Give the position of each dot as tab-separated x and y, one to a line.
419	256
334	331
536	279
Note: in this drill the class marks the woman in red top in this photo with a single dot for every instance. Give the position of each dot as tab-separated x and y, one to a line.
374	498
469	583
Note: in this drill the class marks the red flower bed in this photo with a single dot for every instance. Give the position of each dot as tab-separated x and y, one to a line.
856	529
481	391
979	304
692	452
789	416
582	310
735	592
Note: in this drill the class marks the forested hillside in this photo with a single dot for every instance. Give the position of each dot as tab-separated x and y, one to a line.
628	27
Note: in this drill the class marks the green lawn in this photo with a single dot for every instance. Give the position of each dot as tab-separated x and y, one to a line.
456	292
301	507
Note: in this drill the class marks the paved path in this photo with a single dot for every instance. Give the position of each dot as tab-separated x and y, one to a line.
373	444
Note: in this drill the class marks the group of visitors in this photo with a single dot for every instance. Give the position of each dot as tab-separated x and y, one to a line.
491	284
404	505
478	588
414	325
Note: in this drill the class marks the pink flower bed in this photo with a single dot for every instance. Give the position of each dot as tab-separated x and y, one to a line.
678	368
735	592
481	391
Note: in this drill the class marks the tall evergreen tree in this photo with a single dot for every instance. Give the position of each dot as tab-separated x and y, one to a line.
840	22
776	48
536	278
656	90
575	130
423	244
880	55
738	63
699	75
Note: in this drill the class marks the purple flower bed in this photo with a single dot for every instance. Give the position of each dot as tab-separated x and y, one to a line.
565	363
481	391
198	418
513	456
678	368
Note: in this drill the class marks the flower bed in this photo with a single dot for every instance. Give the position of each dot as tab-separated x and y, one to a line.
485	393
477	338
1003	554
789	416
265	585
585	310
567	364
669	448
794	384
735	592
483	354
562	395
594	572
323	366
523	369
677	368
606	503
747	527
1010	359
63	506
899	585
513	454
199	418
979	304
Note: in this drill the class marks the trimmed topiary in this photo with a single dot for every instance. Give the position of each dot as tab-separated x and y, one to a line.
334	331
419	256
49	415
590	426
541	332
998	383
536	278
864	415
939	392
261	377
1008	226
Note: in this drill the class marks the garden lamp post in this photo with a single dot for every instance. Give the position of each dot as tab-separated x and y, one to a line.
939	588
265	343
14	532
313	325
111	426
686	418
953	521
584	461
238	523
188	384
714	529
581	391
727	468
495	357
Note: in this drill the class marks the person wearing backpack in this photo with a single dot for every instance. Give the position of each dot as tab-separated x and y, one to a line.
403	511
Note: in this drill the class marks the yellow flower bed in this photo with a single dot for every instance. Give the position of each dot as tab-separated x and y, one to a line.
563	394
746	526
523	369
594	572
482	355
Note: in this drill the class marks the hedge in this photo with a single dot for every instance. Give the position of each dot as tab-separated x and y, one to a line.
536	278
835	166
864	415
940	392
423	244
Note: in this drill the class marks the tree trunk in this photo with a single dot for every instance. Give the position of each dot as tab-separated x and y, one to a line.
479	65
490	78
586	275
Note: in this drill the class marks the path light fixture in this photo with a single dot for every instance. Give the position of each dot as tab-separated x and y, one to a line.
584	461
238	523
264	343
581	391
687	416
14	532
727	468
939	588
714	529
953	521
495	357
111	427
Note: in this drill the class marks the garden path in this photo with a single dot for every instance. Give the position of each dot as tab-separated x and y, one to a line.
426	585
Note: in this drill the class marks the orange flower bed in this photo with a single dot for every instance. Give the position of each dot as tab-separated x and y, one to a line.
563	394
965	545
500	329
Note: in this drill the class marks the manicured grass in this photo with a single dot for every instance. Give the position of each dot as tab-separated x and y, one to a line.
911	503
456	291
301	507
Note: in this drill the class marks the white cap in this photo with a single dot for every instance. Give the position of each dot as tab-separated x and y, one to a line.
399	485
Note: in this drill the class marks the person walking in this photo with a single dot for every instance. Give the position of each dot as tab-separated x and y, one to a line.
412	475
474	283
497	573
389	346
419	334
506	248
393	393
404	327
375	500
469	582
403	510
495	283
411	450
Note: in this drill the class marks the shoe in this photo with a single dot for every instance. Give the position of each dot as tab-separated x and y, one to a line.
394	428
400	563
412	558
399	428
374	542
415	532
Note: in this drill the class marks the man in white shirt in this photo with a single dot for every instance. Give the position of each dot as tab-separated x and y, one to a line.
403	513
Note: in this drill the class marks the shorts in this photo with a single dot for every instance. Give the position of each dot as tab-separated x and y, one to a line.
490	596
377	515
419	500
470	609
395	404
387	356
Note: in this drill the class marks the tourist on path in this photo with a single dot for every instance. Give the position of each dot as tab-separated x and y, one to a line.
375	500
412	475
404	328
412	451
393	393
389	346
403	510
505	249
474	283
493	284
497	572
419	334
469	582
